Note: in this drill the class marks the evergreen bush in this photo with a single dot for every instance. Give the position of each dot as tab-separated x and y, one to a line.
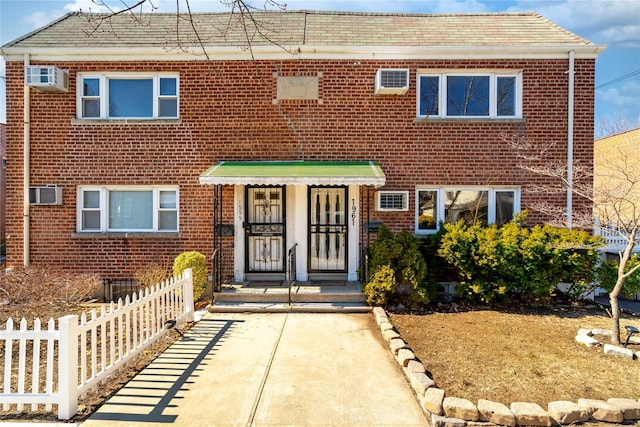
498	263
198	264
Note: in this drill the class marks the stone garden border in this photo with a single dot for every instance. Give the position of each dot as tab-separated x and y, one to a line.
446	411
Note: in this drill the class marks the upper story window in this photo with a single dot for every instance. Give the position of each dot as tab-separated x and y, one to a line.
469	95
473	204
128	209
128	96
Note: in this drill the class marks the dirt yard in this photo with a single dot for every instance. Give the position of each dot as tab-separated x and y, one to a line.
527	355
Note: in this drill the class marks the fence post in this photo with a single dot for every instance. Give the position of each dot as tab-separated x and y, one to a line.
187	287
68	367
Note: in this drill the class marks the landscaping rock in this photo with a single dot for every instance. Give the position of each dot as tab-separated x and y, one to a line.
396	344
480	424
415	366
456	407
390	334
432	400
405	356
530	414
496	413
602	411
583	331
587	340
614	350
601	332
420	382
440	421
379	312
565	412
630	408
385	325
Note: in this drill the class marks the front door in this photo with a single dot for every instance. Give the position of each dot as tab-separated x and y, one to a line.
265	229
327	229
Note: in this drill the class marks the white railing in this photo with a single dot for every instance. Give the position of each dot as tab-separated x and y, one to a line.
614	238
89	349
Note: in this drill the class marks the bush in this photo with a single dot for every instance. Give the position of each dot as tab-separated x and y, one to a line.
498	263
151	274
400	253
198	264
40	285
607	274
381	285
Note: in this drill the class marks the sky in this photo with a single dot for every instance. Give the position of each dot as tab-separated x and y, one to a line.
614	23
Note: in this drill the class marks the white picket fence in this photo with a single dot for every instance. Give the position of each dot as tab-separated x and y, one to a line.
85	350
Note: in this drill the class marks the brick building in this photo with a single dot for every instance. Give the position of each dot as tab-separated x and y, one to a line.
140	146
3	185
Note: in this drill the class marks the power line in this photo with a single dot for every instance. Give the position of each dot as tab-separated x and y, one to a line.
616	80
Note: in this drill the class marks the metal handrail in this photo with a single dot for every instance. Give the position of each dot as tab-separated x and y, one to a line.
291	270
215	262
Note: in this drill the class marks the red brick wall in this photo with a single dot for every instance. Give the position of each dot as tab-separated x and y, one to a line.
227	113
3	180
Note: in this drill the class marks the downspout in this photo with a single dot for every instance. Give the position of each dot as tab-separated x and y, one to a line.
570	140
26	165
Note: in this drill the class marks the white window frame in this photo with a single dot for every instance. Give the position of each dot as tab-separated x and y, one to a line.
405	201
104	78
104	208
491	211
493	79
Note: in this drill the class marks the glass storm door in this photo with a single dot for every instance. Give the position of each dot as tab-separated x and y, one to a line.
327	229
265	229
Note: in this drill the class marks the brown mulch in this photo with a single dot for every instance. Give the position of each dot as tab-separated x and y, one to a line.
526	355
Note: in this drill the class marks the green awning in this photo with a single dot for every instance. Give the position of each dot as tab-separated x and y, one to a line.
294	173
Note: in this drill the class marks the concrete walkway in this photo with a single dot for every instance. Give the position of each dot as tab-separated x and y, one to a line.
284	369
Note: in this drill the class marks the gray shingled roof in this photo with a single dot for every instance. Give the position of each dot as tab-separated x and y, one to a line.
299	28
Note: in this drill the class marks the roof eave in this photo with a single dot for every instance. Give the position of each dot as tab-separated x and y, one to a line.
590	51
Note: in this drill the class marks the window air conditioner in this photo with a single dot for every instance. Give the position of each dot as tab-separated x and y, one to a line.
392	81
46	78
49	195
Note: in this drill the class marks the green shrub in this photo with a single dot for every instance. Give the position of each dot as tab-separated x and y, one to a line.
607	274
400	253
380	286
498	263
198	264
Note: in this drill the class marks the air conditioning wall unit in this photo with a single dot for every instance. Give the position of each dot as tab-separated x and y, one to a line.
46	195
392	81
46	78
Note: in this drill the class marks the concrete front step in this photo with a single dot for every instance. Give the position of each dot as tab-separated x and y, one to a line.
350	293
253	307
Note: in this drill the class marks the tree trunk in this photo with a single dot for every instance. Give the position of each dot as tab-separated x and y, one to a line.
615	311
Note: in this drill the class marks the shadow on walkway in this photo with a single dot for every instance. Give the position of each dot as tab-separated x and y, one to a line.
146	396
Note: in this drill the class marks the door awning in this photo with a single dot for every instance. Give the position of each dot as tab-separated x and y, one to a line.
294	173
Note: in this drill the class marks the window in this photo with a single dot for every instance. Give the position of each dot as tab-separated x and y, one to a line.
450	205
128	209
127	96
392	200
488	95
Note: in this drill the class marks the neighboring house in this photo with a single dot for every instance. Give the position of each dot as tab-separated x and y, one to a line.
365	118
616	180
3	187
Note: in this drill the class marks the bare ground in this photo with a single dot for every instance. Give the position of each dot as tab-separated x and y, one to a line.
526	355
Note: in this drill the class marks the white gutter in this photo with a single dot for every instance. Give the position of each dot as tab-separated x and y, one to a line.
570	140
26	165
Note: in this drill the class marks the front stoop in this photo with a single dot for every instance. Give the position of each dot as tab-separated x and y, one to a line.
307	297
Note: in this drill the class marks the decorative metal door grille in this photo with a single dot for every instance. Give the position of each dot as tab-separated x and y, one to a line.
327	229
265	229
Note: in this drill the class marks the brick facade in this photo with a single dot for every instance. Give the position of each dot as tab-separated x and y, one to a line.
227	112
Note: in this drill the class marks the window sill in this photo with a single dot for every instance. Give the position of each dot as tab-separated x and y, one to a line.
130	235
471	120
76	121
